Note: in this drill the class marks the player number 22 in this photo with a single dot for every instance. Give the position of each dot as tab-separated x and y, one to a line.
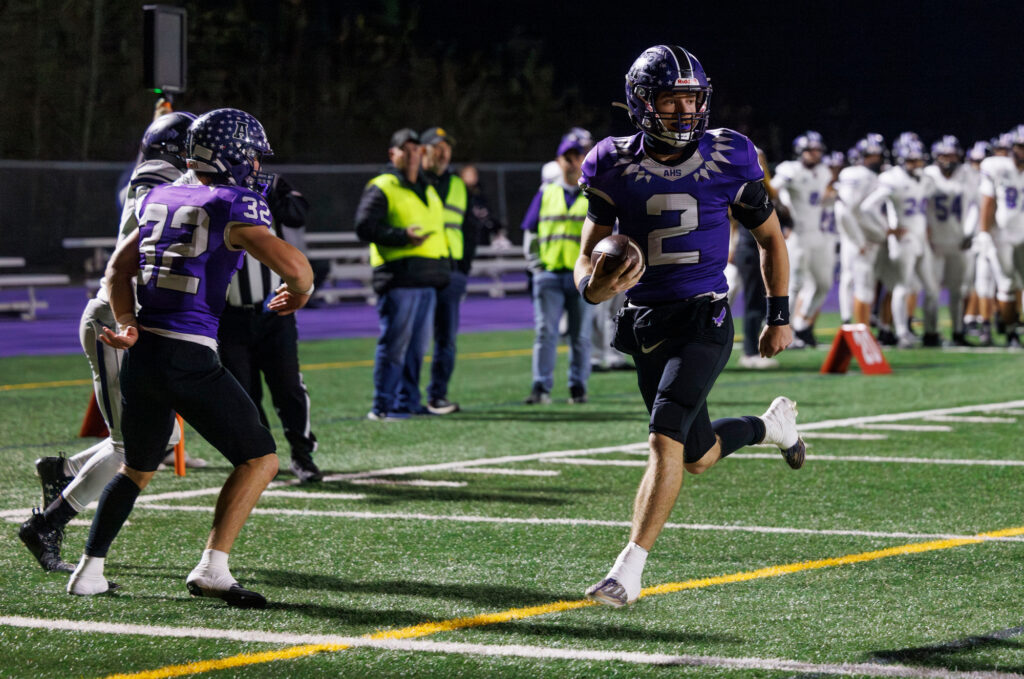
686	206
163	258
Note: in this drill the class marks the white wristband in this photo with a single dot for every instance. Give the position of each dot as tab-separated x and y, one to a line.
306	293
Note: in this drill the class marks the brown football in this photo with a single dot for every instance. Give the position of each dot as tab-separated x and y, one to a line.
616	248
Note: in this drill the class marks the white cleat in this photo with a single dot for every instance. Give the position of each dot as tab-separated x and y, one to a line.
609	592
756	362
780	429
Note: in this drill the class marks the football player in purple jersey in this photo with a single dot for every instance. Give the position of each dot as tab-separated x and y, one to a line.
671	187
191	239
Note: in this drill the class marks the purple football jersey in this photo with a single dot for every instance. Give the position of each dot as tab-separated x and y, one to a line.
678	214
185	265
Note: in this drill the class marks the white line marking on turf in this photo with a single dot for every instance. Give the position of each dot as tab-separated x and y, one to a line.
416	483
900	460
320	496
912	415
591	462
978	419
842	436
1010	412
500	650
534	521
508	472
908	427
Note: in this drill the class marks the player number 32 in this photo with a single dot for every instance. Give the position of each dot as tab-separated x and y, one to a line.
162	259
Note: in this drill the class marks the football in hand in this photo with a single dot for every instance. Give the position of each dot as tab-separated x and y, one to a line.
616	248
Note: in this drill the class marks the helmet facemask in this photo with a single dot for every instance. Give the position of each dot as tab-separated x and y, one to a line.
675	129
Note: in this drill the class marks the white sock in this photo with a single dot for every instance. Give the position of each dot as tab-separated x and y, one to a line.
212	571
629	569
800	324
88	577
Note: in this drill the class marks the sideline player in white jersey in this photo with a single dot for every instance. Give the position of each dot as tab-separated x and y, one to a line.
952	214
981	282
803	185
904	190
860	237
70	484
1001	220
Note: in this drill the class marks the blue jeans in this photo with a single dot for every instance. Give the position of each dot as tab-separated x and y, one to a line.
553	292
406	319
446	330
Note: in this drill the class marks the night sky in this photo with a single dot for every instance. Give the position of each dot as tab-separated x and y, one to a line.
779	68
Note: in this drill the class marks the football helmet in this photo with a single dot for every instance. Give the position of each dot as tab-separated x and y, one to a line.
1017	136
907	149
979	151
809	140
667	68
853	156
947	146
165	138
835	159
1002	142
872	144
228	143
583	136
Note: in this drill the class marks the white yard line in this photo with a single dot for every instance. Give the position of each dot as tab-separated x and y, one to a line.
842	436
500	650
908	427
309	494
535	521
912	415
977	419
509	472
415	483
894	460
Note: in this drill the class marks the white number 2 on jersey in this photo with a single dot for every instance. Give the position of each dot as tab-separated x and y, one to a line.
253	211
686	206
193	219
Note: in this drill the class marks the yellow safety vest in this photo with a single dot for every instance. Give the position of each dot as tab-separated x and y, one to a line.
455	204
559	228
406	209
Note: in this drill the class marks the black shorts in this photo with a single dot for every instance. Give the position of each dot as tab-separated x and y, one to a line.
161	376
679	350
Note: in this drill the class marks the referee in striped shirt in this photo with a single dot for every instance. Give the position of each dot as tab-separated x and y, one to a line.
256	344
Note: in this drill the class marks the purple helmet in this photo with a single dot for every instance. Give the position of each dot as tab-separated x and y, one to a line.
947	145
979	151
228	142
1003	141
853	156
1017	136
809	140
835	159
668	68
165	138
872	144
908	148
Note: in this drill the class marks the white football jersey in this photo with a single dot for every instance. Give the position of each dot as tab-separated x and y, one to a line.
802	190
907	197
1001	180
854	185
949	204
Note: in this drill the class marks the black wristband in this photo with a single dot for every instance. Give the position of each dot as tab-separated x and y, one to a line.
582	287
778	310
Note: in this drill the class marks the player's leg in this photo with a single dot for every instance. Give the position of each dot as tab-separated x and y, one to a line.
216	406
581	325
924	267
277	354
865	279
904	259
547	309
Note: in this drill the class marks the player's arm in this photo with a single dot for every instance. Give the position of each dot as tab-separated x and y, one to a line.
753	209
874	218
121	269
595	283
287	261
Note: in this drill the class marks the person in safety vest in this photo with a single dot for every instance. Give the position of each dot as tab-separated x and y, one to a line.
402	217
460	230
551	242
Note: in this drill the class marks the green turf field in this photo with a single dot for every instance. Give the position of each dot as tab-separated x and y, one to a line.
460	546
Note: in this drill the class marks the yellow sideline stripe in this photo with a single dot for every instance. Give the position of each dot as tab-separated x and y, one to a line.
429	628
44	385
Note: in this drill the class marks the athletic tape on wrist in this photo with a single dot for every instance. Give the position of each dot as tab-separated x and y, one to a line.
582	287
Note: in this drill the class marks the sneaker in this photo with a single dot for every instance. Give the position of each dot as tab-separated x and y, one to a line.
43	540
887	338
50	471
756	362
796	343
960	340
931	339
304	469
609	592
780	429
1013	341
807	337
538	396
381	416
190	462
442	406
577	395
235	595
906	342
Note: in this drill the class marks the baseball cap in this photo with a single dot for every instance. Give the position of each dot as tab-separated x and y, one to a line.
403	135
435	135
570	142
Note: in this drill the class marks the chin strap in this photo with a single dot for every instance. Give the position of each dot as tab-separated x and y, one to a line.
652	143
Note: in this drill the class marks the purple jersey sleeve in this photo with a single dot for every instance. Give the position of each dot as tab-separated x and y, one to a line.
678	214
185	262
